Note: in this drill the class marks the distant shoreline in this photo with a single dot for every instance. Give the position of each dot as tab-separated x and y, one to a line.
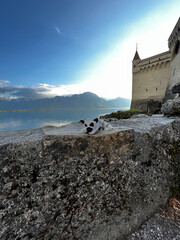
50	109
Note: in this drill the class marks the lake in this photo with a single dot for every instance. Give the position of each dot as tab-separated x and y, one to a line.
35	119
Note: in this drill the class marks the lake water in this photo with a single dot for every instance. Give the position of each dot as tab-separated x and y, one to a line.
35	119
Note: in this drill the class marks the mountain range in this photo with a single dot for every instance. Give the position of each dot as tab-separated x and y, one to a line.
84	100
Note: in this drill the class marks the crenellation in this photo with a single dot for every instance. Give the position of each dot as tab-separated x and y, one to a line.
152	61
174	35
151	67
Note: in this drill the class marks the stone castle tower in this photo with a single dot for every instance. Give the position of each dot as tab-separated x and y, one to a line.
154	77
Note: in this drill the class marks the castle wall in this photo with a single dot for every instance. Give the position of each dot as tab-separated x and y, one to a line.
154	77
174	72
174	46
150	80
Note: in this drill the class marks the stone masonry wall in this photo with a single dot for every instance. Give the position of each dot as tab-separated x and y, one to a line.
174	75
151	83
174	46
150	80
59	185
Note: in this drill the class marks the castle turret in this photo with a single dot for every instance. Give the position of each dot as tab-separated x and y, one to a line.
136	56
136	60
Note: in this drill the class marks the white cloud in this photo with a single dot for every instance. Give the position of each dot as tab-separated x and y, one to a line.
57	29
40	91
3	82
46	90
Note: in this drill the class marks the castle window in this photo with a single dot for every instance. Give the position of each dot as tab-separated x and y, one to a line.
146	90
174	71
177	47
156	89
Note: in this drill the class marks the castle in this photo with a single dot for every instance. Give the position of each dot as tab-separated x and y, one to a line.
154	77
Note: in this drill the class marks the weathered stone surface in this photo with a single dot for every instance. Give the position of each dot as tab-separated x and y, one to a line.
58	184
164	225
139	116
171	107
157	228
153	106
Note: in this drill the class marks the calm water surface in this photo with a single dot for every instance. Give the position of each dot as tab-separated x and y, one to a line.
35	119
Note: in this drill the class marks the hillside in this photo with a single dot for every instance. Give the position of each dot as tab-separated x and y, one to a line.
85	100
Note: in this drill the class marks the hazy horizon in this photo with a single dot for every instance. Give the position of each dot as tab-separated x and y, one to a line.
65	95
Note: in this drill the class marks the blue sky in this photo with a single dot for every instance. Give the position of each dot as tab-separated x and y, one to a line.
59	47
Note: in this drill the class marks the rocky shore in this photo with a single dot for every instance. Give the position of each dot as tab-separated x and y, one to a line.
57	183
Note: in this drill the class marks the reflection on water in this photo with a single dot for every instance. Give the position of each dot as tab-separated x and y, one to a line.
7	125
54	123
35	119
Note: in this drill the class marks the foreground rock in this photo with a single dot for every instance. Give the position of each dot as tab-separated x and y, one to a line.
58	184
157	228
171	107
164	225
176	88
